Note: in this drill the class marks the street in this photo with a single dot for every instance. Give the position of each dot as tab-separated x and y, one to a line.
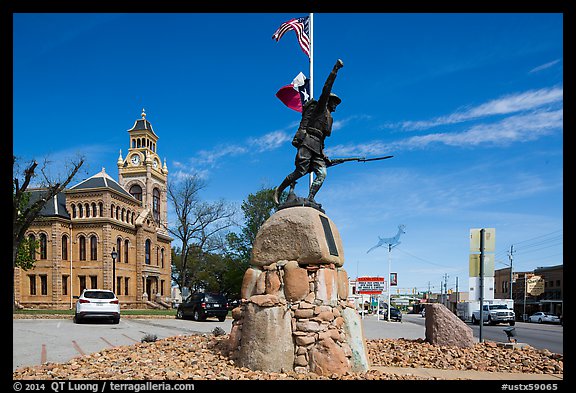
36	341
541	336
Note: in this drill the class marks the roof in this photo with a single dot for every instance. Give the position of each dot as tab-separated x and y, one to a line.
101	180
142	124
56	207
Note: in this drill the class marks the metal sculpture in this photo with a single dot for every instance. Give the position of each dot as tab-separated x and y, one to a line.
391	242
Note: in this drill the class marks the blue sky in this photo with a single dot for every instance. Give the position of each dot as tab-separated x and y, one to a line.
470	105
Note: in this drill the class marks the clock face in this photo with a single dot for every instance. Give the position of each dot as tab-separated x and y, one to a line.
155	164
135	159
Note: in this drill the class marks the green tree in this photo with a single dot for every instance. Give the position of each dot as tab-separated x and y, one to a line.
257	208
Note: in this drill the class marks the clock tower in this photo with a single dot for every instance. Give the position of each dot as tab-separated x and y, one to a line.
141	172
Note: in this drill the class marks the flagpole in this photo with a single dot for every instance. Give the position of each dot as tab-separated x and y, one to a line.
311	55
311	69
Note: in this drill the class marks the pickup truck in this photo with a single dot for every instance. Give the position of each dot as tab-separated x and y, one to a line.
494	314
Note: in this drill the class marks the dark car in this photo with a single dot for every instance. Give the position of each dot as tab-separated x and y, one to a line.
200	306
395	314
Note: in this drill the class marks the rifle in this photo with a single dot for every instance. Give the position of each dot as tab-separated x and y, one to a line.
337	161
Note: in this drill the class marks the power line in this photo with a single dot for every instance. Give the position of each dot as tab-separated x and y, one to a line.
422	259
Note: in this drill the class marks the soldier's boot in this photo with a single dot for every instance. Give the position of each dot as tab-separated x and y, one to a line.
285	183
313	190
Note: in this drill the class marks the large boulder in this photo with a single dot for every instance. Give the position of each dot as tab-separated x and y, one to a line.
445	328
298	234
266	342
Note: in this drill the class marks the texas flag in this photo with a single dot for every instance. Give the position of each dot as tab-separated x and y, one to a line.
295	94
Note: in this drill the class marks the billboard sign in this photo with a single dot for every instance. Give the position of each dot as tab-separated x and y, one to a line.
370	285
535	285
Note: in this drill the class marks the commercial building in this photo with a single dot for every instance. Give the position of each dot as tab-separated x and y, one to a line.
532	291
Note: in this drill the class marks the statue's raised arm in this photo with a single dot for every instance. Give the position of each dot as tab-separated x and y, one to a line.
327	89
315	126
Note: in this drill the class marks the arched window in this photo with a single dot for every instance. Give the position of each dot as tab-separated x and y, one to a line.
132	219
119	249
101	209
147	252
117	212
126	248
87	206
133	143
73	211
32	243
82	248
80	211
93	248
123	213
43	246
94	211
64	248
136	192
162	257
156	204
112	211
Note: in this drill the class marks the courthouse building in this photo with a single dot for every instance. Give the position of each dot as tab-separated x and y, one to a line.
80	230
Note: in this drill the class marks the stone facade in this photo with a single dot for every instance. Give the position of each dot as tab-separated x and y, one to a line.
295	315
79	230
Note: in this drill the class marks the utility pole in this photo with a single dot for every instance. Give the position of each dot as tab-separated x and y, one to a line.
446	290
482	232
510	256
457	293
441	293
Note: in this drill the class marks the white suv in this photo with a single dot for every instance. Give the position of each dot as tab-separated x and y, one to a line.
97	303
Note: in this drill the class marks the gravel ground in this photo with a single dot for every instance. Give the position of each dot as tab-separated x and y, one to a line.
203	357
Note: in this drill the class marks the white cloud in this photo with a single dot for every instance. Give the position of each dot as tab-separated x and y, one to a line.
517	128
529	100
270	141
544	66
521	128
211	157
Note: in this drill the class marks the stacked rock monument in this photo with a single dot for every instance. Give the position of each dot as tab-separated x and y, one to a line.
294	313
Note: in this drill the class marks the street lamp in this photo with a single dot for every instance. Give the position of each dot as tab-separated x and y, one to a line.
114	255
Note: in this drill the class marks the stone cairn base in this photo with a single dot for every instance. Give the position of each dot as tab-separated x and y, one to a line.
294	315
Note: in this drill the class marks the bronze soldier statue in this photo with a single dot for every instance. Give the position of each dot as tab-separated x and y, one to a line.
315	126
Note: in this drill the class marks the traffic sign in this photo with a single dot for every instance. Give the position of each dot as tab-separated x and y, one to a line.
489	240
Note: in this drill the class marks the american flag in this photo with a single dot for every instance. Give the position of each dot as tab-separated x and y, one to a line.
301	27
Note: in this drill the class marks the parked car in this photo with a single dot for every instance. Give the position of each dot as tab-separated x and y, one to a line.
97	304
544	317
395	314
200	306
233	303
423	312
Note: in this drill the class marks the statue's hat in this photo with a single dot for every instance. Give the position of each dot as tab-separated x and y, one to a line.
334	98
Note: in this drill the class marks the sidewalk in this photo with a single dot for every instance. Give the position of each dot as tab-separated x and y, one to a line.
466	374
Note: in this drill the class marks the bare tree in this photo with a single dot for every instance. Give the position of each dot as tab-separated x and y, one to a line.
198	226
25	211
